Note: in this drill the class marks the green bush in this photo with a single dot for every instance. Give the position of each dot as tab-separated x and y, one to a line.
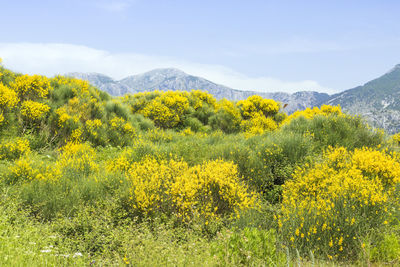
225	122
387	250
114	108
250	247
193	123
335	131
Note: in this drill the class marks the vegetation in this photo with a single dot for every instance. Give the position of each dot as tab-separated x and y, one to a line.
179	178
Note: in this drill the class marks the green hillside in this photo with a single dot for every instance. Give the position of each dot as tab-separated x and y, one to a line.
181	179
377	100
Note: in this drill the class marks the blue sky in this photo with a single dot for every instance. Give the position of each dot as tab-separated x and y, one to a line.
253	45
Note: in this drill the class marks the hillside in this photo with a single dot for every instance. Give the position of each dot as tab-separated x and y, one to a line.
378	101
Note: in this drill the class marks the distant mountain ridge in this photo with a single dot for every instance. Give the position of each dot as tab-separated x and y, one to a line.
378	101
174	79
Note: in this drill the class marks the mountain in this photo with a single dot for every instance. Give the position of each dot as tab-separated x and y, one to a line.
378	101
102	82
174	79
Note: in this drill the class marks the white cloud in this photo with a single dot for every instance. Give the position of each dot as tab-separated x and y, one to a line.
51	59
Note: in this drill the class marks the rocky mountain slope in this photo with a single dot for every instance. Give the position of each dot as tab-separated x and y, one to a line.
378	101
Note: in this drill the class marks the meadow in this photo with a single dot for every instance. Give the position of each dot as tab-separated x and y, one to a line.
182	179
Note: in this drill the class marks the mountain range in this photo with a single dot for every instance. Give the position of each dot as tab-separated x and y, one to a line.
174	79
378	101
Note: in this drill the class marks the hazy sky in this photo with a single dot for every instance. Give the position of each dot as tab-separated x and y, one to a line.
253	45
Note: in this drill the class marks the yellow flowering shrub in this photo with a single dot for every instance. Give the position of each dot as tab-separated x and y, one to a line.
119	124
258	124
93	128
79	109
122	163
31	86
76	136
187	132
27	168
139	100
258	114
159	135
161	114
257	105
8	98
1	118
14	148
230	108
309	113
227	117
120	132
198	97
330	206
92	125
167	110
23	169
150	184
396	138
209	190
77	158
32	110
63	116
79	87
71	113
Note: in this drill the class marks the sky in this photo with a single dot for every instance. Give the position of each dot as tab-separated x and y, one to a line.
270	45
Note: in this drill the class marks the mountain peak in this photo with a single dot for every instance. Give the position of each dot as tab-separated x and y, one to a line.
94	77
165	72
395	68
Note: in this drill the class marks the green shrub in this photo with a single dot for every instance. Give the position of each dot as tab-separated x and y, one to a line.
387	249
115	108
61	94
335	131
224	121
249	247
142	122
193	123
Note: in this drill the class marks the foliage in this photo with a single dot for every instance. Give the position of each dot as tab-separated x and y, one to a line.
31	87
13	149
8	98
227	117
77	158
330	207
251	246
166	110
32	110
209	190
387	249
309	113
